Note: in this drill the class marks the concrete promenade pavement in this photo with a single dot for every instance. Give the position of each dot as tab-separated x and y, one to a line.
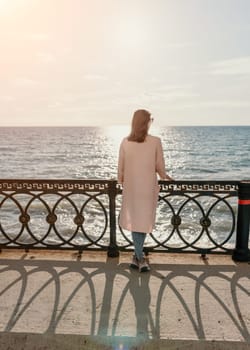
58	300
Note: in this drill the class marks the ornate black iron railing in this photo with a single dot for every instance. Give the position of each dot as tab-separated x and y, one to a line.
192	216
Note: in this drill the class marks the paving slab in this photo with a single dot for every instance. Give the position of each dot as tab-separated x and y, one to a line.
60	300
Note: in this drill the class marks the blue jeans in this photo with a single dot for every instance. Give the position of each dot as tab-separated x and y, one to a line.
138	239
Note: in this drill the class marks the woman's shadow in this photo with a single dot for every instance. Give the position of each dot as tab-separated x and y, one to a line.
139	289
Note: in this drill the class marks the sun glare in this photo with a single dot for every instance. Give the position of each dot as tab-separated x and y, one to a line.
3	3
116	133
7	5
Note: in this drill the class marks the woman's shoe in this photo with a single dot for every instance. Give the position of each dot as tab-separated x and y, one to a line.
143	265
134	263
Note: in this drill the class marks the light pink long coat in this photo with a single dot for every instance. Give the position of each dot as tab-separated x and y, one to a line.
138	166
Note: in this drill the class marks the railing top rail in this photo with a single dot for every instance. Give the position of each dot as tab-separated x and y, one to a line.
103	185
54	185
200	186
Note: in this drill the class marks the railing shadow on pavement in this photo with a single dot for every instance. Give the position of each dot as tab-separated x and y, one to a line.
107	299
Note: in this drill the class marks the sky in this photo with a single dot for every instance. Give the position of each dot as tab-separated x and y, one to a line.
93	62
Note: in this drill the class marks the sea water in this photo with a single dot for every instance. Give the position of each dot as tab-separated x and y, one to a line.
191	153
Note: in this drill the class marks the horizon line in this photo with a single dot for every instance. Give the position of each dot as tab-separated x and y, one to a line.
117	125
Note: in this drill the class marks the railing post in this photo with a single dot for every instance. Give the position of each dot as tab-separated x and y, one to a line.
113	250
242	252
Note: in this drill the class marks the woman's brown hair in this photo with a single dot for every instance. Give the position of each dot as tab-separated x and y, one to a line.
139	129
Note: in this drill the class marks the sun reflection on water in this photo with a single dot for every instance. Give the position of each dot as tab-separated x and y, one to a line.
116	133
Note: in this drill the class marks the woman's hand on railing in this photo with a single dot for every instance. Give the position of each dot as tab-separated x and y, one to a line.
167	178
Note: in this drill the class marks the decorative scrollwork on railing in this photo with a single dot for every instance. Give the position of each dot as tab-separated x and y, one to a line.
54	185
196	216
54	214
193	217
199	186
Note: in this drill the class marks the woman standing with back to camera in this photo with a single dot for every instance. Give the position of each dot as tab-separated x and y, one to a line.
140	160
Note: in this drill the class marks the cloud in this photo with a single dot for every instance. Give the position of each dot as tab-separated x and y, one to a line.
25	82
37	36
94	77
6	98
55	104
213	104
179	45
234	66
172	92
46	57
